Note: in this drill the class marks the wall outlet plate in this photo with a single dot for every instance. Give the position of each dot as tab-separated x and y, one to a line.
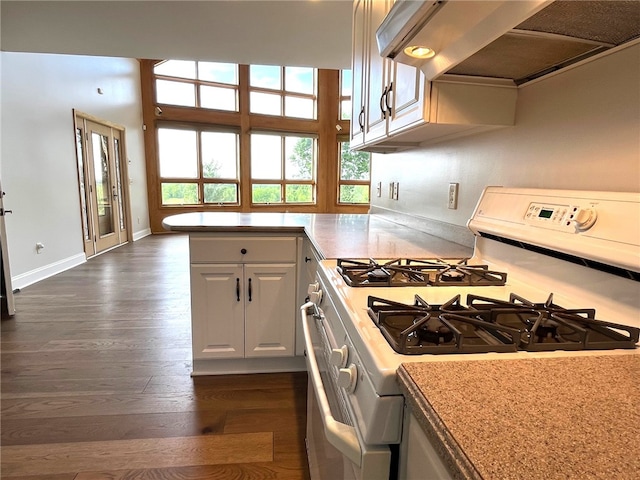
379	189
395	190
453	196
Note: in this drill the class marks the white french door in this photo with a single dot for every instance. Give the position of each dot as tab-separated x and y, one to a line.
102	187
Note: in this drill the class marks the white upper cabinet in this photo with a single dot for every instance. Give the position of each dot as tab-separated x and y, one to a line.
394	107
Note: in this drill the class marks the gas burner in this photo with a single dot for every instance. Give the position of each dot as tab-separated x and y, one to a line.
547	326
438	329
492	325
417	272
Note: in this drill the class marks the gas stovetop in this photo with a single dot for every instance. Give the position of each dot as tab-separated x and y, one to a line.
417	272
490	325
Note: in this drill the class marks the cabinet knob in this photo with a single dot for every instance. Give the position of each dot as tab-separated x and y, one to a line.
307	259
243	251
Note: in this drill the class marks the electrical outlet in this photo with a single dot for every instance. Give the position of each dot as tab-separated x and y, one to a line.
395	190
453	196
379	189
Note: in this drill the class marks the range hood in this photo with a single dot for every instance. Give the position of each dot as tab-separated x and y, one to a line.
505	39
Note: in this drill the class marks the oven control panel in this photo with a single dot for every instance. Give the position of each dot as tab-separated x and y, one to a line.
599	226
563	217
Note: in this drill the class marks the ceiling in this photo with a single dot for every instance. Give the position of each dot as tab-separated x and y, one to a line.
313	33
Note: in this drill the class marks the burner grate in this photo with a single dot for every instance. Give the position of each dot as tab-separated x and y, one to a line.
491	325
417	272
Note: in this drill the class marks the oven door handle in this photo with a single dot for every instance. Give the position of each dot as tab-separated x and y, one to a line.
340	435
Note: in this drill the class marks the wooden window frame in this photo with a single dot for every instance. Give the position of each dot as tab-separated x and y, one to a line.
327	127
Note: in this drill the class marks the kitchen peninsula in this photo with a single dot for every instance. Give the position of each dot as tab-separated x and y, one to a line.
250	272
333	235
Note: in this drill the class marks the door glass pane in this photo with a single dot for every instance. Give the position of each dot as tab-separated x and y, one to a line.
266	157
299	193
120	198
299	107
103	182
176	68
176	93
298	158
299	79
218	98
218	72
81	180
220	193
265	103
265	76
219	155
266	194
179	193
177	153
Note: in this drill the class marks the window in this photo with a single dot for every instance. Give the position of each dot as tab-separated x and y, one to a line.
198	166
345	94
354	176
249	138
283	168
197	84
282	91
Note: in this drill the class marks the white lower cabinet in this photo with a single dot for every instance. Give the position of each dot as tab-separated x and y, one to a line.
241	311
418	458
243	303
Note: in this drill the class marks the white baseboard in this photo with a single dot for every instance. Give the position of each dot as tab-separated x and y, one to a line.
33	276
141	234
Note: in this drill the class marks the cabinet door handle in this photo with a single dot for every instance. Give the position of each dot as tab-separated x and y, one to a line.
386	99
249	289
361	119
383	103
238	288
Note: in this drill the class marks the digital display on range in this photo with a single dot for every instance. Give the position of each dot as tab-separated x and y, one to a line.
544	213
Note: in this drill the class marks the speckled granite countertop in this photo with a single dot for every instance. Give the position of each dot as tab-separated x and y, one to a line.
572	417
333	235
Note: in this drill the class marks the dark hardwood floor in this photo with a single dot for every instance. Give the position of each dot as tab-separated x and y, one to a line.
96	382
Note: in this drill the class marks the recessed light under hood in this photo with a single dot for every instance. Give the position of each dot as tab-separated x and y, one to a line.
517	40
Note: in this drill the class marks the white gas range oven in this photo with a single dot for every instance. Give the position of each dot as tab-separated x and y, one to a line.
554	273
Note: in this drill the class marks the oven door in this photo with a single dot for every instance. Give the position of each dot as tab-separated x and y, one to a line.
335	449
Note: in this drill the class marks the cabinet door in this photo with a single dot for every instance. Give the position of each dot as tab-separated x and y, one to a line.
217	311
378	75
409	97
358	66
270	310
418	457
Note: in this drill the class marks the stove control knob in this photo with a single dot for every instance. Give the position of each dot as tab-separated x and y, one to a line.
339	356
584	219
348	377
315	293
316	297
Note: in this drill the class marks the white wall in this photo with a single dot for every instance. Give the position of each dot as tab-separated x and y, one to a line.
579	129
38	162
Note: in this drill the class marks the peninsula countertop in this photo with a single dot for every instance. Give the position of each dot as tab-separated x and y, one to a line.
333	235
538	418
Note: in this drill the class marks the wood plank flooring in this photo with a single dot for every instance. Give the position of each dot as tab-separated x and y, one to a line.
96	383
